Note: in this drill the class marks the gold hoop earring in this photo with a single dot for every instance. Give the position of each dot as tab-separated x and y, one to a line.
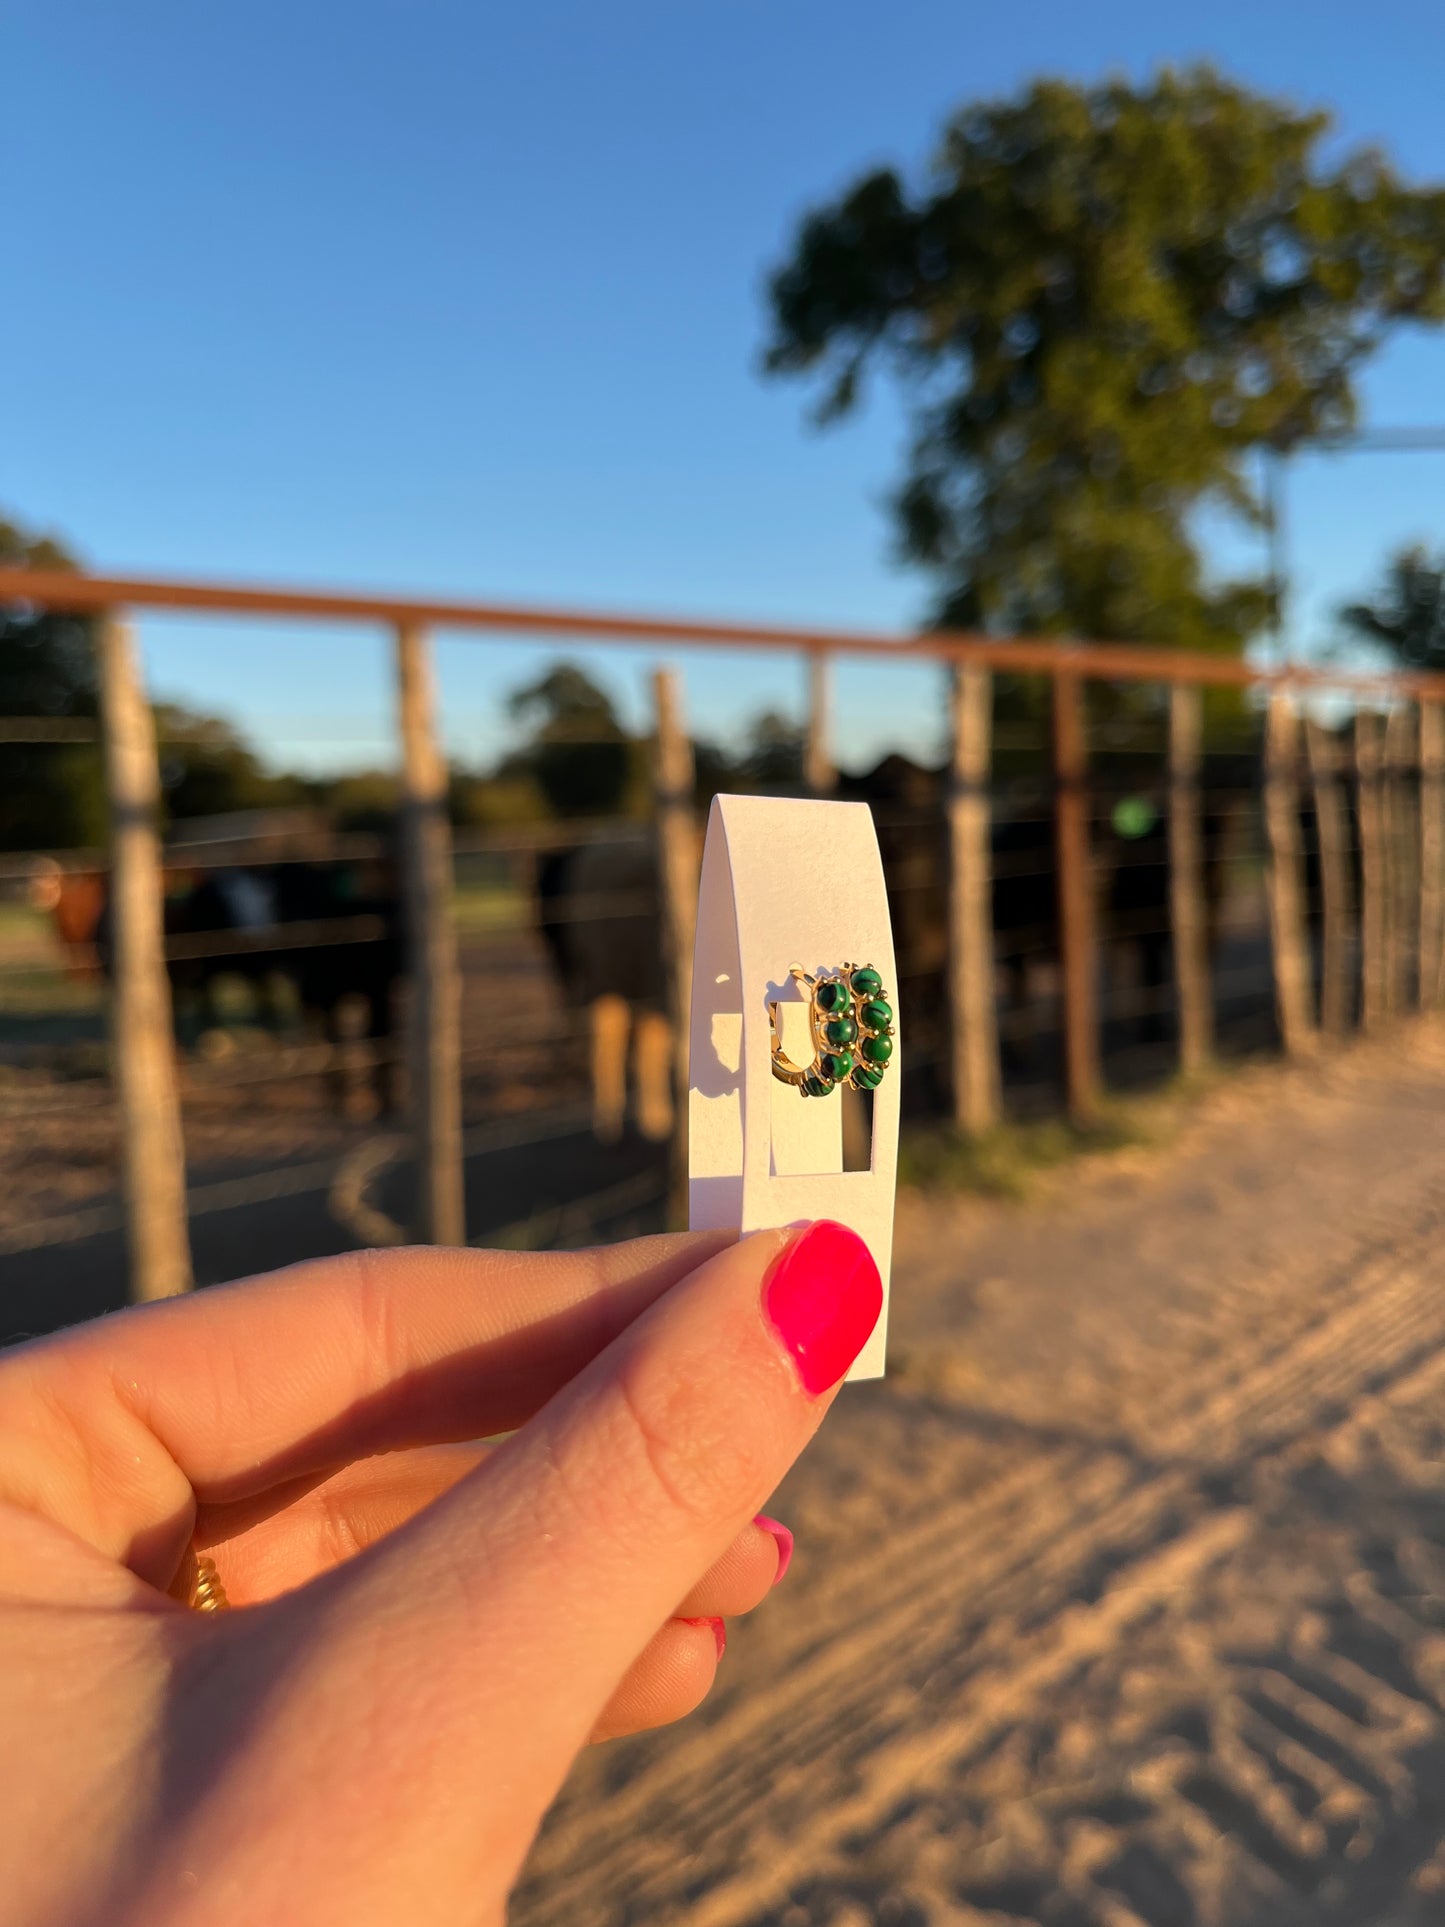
851	1023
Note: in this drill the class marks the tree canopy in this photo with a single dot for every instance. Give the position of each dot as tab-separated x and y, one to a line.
209	769
1098	302
578	754
1406	616
51	792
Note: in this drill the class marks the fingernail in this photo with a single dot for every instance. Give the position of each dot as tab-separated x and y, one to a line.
780	1532
719	1632
823	1295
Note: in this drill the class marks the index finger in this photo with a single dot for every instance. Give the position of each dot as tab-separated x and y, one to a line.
115	1428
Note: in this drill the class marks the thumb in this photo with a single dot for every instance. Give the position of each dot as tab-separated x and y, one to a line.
494	1628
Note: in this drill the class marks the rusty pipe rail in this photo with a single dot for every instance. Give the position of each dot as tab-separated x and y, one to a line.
1031	655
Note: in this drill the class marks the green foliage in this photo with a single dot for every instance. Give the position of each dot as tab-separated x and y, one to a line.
207	768
578	754
1099	301
478	801
580	761
1406	618
1008	1161
772	761
713	770
52	794
363	799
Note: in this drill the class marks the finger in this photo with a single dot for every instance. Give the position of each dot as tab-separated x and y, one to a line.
270	1544
671	1678
737	1582
110	1429
693	1415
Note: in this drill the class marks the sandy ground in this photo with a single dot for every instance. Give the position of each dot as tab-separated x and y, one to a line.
1122	1600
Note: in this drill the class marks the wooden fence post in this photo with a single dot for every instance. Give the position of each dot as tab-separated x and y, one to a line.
1432	852
143	1040
1332	833
674	774
1077	937
434	1035
1373	872
1401	821
973	1012
1288	938
819	775
1187	911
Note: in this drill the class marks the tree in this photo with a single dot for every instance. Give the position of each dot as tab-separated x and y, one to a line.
52	791
52	794
483	800
579	755
773	758
1098	302
1407	616
208	769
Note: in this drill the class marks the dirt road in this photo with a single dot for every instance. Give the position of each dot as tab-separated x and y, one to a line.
1123	1599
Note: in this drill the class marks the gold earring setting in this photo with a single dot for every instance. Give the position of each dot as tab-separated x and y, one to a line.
852	1029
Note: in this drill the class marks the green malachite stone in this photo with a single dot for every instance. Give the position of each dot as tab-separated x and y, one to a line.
815	1086
877	1050
831	996
841	1030
876	1014
864	1079
866	981
836	1064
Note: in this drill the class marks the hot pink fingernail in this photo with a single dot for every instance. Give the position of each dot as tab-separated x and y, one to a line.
719	1632
784	1538
823	1296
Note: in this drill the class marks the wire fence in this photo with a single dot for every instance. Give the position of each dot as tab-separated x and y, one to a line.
1071	912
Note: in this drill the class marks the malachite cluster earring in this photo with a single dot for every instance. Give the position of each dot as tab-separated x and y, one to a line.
852	1028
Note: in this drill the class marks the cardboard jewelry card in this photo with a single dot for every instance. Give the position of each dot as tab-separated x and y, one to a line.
786	882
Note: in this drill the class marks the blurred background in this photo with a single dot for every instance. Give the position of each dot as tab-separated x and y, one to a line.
1116	326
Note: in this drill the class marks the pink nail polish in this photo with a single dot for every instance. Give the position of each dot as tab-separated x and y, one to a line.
780	1532
823	1296
719	1632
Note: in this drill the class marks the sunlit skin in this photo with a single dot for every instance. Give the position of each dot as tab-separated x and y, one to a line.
282	1538
425	1630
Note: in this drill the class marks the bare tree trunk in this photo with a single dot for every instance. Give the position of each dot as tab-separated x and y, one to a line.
152	1151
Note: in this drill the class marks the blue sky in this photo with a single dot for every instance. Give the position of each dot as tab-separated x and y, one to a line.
467	299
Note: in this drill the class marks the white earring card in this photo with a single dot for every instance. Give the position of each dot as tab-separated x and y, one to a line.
785	882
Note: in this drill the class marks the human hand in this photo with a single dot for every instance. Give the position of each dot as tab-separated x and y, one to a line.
430	1629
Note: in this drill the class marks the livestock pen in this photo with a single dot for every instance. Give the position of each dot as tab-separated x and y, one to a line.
997	869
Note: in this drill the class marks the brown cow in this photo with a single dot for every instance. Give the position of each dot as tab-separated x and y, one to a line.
597	906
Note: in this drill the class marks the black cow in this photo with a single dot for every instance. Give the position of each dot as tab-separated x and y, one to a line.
1129	846
330	929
